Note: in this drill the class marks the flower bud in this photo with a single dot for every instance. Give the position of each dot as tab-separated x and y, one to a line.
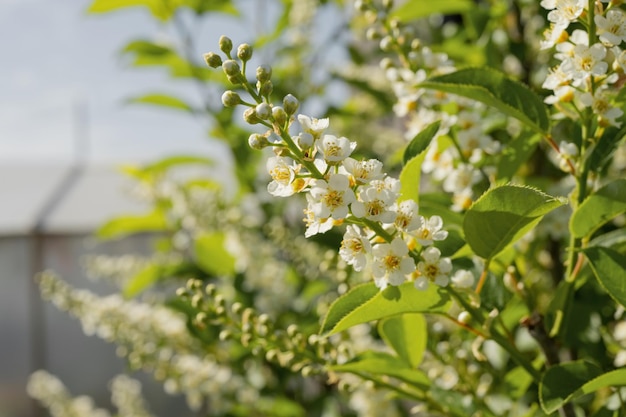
279	115
290	104
464	317
386	44
266	88
251	117
388	4
213	60
244	52
234	79
230	99
231	67
263	111
263	73
226	45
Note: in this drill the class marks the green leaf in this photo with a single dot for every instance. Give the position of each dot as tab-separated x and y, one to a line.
407	335
161	9
569	381
421	141
152	273
163	100
365	303
381	363
609	267
599	208
416	9
502	215
211	255
495	89
410	179
154	221
516	153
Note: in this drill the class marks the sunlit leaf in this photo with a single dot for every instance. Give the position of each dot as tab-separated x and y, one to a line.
161	9
365	303
415	9
120	226
599	208
421	141
211	255
568	381
495	89
410	179
609	267
381	363
163	100
502	215
407	335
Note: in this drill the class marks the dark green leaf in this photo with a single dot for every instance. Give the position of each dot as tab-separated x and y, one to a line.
609	267
599	208
516	153
495	89
365	303
421	141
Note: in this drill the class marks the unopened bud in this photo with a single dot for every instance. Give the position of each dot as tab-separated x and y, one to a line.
251	117
266	88
464	317
212	59
230	99
244	52
263	73
226	45
263	111
231	67
388	4
290	104
280	116
386	44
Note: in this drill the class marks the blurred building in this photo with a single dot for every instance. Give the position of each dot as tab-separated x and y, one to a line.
47	216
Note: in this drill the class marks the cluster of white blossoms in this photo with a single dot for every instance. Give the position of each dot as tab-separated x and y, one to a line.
590	62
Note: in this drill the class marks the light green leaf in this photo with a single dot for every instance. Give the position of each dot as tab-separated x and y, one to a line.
599	208
502	215
154	221
495	89
211	255
416	9
381	363
161	9
407	335
410	179
365	303
515	154
421	141
152	273
163	100
609	267
569	381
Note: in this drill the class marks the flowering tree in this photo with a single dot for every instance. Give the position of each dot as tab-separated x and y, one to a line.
462	250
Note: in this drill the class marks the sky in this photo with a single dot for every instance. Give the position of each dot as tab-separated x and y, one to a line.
62	78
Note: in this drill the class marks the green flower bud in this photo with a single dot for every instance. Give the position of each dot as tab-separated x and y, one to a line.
226	45
263	111
263	73
231	68
230	99
244	52
213	60
251	117
290	104
266	88
234	79
280	116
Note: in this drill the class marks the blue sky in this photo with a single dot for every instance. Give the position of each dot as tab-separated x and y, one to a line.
56	58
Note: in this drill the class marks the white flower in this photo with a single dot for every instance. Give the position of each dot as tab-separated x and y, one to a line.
612	27
430	230
554	35
354	248
462	178
376	199
364	171
331	198
391	263
438	163
315	225
586	61
432	269
463	278
568	149
600	104
313	126
563	11
283	175
407	218
462	200
334	149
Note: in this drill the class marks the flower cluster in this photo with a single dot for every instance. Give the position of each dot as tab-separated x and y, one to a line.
385	231
590	61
